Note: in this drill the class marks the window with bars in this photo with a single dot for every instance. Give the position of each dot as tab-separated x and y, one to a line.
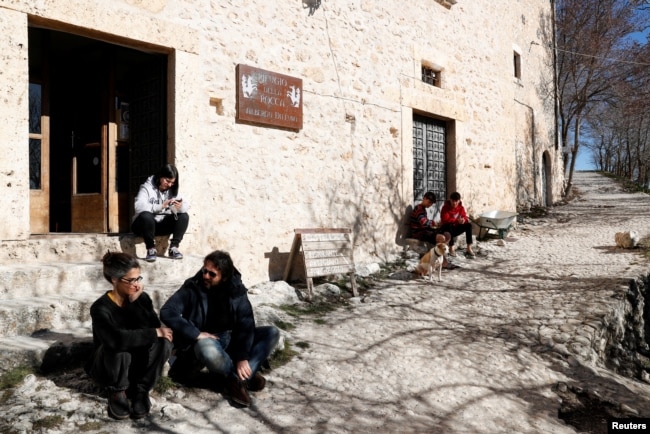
430	76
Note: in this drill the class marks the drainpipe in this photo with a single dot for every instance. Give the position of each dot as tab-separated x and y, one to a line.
555	96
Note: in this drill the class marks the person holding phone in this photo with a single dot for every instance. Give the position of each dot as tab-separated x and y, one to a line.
161	210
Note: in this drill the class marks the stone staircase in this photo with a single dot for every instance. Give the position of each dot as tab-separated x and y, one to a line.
48	283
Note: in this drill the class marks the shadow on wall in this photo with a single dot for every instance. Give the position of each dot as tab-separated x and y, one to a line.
312	5
403	231
278	263
371	207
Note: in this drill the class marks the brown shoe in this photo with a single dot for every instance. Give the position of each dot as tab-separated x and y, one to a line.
237	391
256	383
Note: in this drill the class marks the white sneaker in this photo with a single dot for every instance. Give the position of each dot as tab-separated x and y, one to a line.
174	253
151	255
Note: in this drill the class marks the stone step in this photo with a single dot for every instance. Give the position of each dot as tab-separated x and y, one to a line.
33	326
60	278
58	295
68	247
28	315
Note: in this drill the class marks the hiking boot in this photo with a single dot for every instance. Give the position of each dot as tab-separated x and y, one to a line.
141	405
151	255
237	391
256	383
174	253
118	405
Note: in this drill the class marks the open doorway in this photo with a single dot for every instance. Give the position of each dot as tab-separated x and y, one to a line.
103	130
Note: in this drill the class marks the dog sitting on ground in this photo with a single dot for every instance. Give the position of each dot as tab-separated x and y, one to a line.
433	260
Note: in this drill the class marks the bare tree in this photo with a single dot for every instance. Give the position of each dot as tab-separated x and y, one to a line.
589	39
617	130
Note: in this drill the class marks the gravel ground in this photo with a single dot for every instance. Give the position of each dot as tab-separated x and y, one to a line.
499	345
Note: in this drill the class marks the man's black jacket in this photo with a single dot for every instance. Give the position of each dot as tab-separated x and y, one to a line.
186	314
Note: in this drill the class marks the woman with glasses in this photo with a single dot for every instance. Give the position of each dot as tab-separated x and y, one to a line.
131	346
159	209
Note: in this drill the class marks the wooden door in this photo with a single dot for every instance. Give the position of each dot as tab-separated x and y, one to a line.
39	162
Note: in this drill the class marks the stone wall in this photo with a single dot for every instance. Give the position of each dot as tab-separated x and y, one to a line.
351	164
624	345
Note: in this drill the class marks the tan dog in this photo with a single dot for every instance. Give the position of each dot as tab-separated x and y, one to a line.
433	259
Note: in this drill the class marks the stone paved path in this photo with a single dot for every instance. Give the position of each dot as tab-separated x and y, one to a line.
478	352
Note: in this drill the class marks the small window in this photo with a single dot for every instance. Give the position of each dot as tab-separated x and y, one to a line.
517	64
430	76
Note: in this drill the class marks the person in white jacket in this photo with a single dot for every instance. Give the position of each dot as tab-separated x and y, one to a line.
161	210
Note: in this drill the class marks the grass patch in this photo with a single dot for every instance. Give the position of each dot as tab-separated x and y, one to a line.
282	357
47	423
164	384
385	270
320	321
8	393
309	309
90	426
286	326
302	344
12	378
7	429
534	212
629	185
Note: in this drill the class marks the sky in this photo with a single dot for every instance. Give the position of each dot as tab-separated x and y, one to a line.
584	160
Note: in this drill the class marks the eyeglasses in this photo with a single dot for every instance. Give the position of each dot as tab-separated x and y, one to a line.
133	281
212	274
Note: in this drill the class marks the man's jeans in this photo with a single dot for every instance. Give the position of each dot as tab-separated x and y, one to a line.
213	353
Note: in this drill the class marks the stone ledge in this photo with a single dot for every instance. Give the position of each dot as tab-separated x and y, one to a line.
417	245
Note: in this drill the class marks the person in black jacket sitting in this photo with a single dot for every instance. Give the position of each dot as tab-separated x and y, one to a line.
213	325
131	346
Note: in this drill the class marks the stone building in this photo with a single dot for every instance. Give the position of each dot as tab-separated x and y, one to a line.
396	98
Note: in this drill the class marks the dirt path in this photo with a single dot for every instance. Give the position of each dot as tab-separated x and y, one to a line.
480	352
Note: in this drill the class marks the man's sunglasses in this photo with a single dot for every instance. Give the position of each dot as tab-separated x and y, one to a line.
212	274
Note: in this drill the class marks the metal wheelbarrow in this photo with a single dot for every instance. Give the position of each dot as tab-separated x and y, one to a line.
500	221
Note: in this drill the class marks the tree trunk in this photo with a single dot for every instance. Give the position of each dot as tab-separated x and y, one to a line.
574	155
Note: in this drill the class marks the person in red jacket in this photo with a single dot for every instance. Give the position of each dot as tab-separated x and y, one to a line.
453	219
131	345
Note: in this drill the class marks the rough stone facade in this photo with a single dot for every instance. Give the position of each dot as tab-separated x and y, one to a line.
351	165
